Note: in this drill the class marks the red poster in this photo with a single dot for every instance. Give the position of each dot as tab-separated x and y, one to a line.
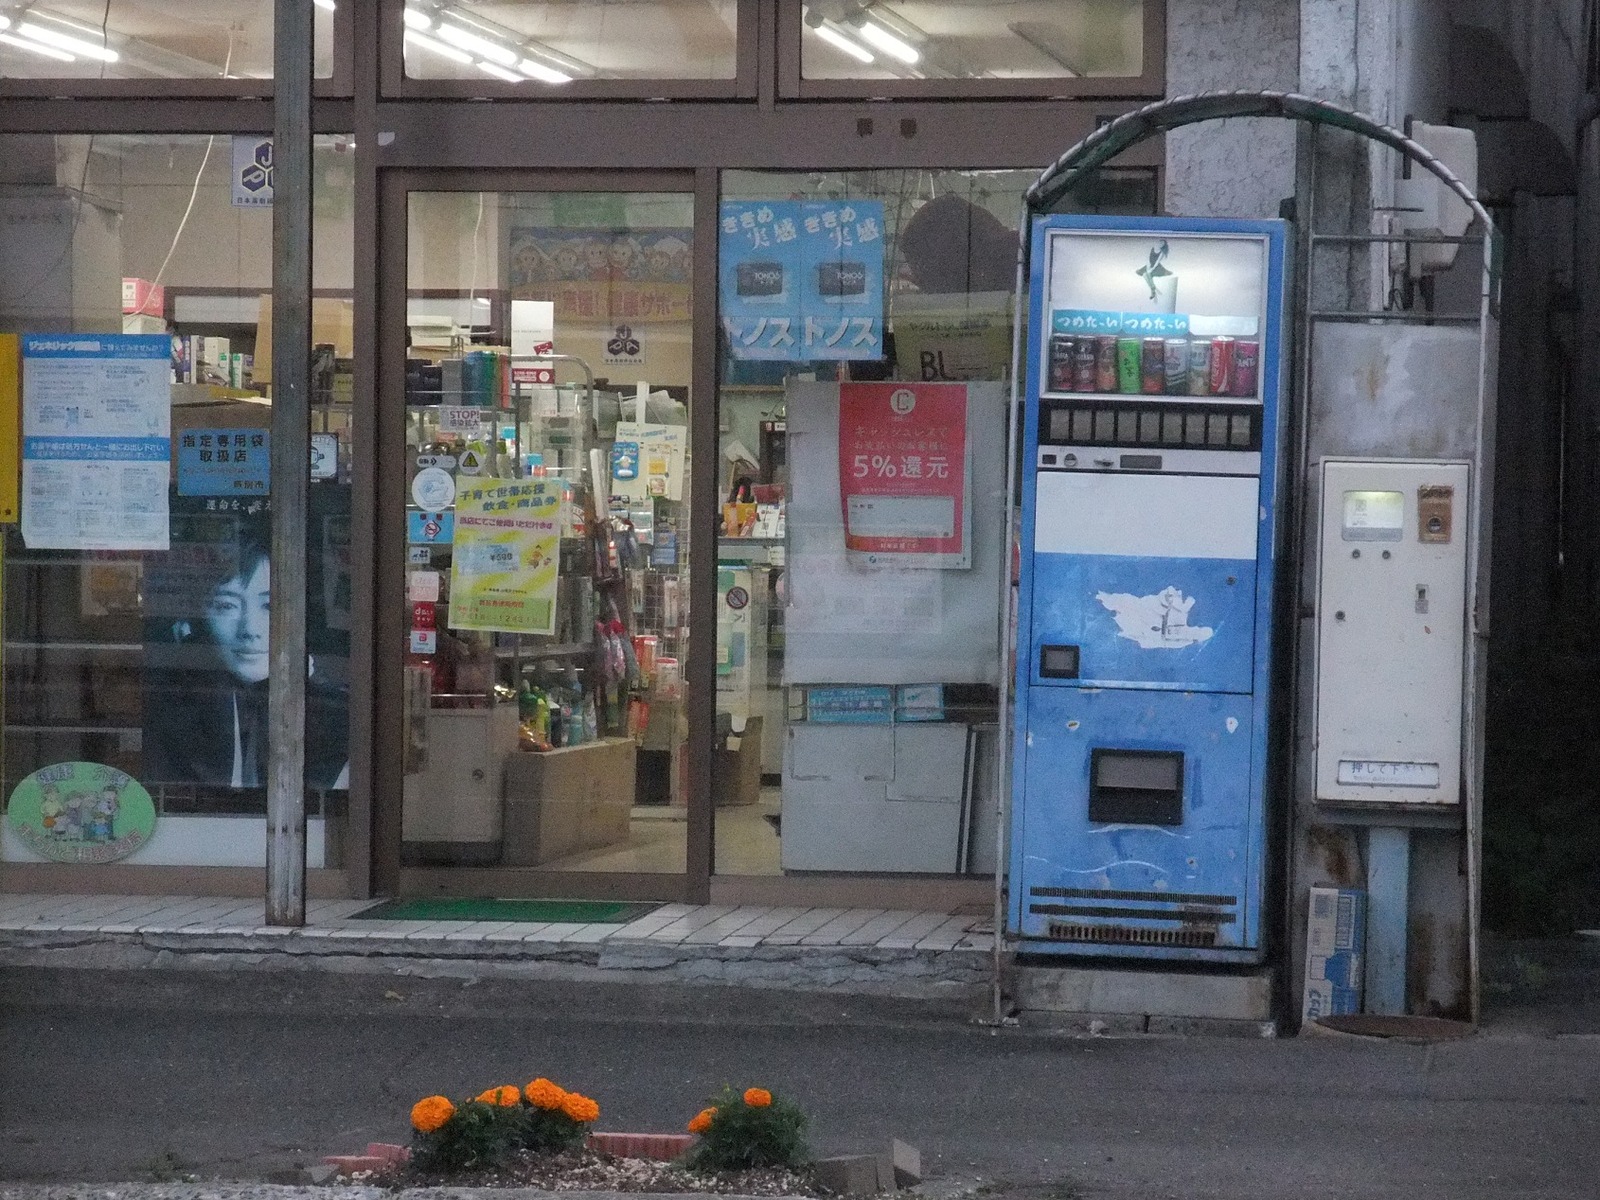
903	474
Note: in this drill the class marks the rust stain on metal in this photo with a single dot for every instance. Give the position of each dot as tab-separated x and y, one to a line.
1334	848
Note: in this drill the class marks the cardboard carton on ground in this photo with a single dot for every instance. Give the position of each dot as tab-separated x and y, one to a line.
1336	929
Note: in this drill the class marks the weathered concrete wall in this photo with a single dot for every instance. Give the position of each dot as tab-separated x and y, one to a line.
1236	168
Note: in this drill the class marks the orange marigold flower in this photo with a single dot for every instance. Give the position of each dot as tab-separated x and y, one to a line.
757	1097
430	1113
542	1093
580	1108
505	1097
702	1120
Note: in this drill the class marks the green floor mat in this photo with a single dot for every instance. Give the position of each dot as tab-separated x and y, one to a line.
577	912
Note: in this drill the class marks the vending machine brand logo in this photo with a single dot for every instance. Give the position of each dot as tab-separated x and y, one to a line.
1158	622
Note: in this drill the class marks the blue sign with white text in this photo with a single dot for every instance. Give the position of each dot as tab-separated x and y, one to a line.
802	280
224	462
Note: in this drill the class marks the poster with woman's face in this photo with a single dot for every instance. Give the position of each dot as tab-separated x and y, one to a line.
208	615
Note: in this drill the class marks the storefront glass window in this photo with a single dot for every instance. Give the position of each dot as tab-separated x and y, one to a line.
554	42
961	39
547	530
147	39
866	341
135	648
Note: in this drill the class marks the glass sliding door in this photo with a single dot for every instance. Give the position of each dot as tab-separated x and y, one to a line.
544	602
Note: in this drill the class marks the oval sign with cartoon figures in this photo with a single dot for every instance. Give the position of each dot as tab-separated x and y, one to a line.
80	812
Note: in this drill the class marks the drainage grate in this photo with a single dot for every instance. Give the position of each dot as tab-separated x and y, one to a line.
1131	935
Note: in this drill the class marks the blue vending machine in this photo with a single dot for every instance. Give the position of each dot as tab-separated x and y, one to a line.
1145	619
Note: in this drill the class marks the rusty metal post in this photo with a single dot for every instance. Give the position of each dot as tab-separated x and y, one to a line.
291	453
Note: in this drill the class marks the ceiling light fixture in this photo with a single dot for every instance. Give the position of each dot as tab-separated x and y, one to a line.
495	52
537	70
500	72
64	41
423	42
327	4
876	35
46	51
849	45
416	19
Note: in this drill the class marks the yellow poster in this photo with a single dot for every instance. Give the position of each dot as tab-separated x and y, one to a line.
506	556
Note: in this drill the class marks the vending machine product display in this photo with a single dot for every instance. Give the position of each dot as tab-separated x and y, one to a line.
1145	612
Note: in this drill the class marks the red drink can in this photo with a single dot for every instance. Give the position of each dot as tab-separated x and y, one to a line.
1061	346
1153	366
1221	365
1085	357
1246	368
1105	363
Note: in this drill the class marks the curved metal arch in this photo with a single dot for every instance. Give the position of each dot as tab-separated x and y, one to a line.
1110	140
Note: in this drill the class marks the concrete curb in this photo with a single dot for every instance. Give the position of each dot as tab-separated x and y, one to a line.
222	1190
942	974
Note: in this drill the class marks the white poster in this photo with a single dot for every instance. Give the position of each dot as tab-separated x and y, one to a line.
96	441
252	171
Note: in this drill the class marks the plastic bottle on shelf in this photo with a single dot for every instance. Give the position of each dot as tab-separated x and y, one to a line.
591	720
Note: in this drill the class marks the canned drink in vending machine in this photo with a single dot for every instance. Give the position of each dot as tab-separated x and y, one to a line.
1105	363
1221	365
1084	357
1200	367
1246	368
1176	366
1128	352
1153	366
1061	346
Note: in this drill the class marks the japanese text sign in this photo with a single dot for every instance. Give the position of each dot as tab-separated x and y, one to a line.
903	477
802	280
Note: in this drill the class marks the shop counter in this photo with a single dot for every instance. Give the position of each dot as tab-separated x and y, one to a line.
566	801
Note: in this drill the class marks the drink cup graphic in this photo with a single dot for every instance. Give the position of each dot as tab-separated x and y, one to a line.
1159	279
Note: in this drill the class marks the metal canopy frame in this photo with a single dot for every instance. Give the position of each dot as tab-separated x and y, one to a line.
1077	166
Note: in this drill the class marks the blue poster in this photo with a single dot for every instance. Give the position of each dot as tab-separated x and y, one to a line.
802	280
224	462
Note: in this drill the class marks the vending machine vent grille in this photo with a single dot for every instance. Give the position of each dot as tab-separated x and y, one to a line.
1132	935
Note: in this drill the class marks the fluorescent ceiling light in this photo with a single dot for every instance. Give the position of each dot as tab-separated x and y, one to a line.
418	20
423	42
65	41
495	52
327	4
500	72
849	45
5	22
24	44
876	35
544	74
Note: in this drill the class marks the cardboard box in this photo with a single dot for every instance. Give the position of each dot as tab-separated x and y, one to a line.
333	323
565	801
1336	935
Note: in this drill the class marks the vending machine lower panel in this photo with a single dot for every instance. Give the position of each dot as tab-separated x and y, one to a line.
1139	829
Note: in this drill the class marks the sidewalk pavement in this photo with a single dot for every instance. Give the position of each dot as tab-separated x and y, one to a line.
865	950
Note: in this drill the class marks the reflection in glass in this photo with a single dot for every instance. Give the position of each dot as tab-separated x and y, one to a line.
541	41
959	39
148	39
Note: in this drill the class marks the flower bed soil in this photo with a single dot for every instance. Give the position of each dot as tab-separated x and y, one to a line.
586	1170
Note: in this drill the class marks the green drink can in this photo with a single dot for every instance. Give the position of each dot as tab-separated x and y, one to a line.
1129	350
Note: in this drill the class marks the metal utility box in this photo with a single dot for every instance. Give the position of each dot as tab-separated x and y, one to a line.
1391	632
1145	612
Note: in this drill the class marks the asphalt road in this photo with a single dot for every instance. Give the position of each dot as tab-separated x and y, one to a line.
137	1074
